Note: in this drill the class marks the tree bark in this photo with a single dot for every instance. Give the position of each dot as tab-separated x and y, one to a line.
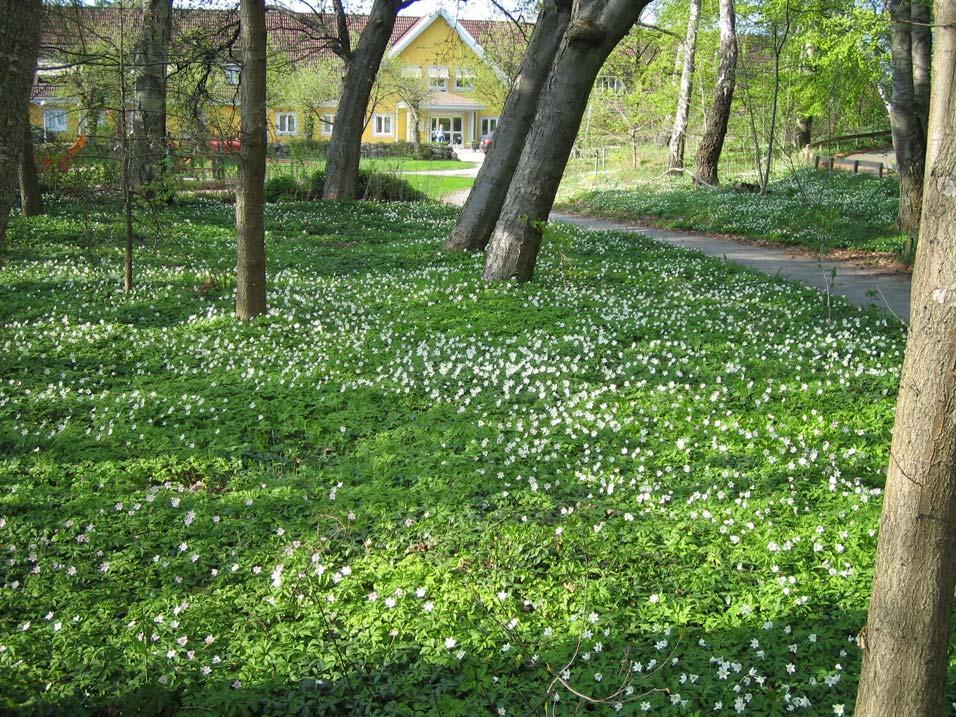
149	103
675	157
921	33
909	136
594	30
31	198
803	135
481	210
20	22
712	143
250	194
341	170
907	632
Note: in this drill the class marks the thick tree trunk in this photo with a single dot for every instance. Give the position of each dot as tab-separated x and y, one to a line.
31	198
907	632
250	194
909	137
803	135
341	170
481	210
593	32
20	22
675	155
712	143
149	103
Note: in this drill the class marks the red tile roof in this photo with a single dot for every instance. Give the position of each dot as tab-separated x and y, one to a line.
302	36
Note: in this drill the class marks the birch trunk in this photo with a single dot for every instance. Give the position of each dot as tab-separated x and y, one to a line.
342	167
905	651
250	194
594	30
675	158
481	210
712	143
20	22
149	100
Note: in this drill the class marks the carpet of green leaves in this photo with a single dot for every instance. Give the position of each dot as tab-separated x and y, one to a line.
647	477
819	211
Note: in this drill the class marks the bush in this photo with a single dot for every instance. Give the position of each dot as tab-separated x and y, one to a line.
282	189
373	186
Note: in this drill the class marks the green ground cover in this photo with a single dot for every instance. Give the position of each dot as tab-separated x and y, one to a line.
648	477
818	211
397	165
438	187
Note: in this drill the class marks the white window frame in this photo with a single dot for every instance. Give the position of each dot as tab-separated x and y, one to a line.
61	115
466	74
282	118
611	83
412	72
232	72
440	74
391	124
325	125
486	120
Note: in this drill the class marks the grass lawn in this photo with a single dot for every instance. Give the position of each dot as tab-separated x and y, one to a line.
437	187
809	209
648	477
302	168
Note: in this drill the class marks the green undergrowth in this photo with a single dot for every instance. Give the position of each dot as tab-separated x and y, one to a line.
818	211
647	478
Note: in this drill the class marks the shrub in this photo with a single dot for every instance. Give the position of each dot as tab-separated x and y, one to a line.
373	186
282	189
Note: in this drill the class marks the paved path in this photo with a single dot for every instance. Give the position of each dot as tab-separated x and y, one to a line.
857	284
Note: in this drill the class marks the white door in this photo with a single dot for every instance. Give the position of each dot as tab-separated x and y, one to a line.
448	129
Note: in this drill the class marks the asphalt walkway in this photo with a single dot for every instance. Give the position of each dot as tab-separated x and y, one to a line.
858	284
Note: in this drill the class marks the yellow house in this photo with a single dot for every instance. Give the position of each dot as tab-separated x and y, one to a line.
440	53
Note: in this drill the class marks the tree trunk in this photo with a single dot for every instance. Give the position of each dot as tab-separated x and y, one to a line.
675	158
593	32
909	138
31	198
149	103
20	22
711	144
803	135
341	170
250	194
922	43
905	653
481	210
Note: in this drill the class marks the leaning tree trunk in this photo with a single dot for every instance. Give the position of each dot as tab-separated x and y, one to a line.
20	22
342	166
712	143
593	32
675	155
31	198
481	210
909	137
250	194
149	118
905	651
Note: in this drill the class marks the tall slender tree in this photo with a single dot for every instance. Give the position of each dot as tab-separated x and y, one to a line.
906	639
250	194
149	102
675	154
481	210
20	23
715	130
596	27
362	64
910	48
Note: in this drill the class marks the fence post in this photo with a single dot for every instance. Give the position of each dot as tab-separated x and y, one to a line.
856	166
634	149
597	155
880	171
816	162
